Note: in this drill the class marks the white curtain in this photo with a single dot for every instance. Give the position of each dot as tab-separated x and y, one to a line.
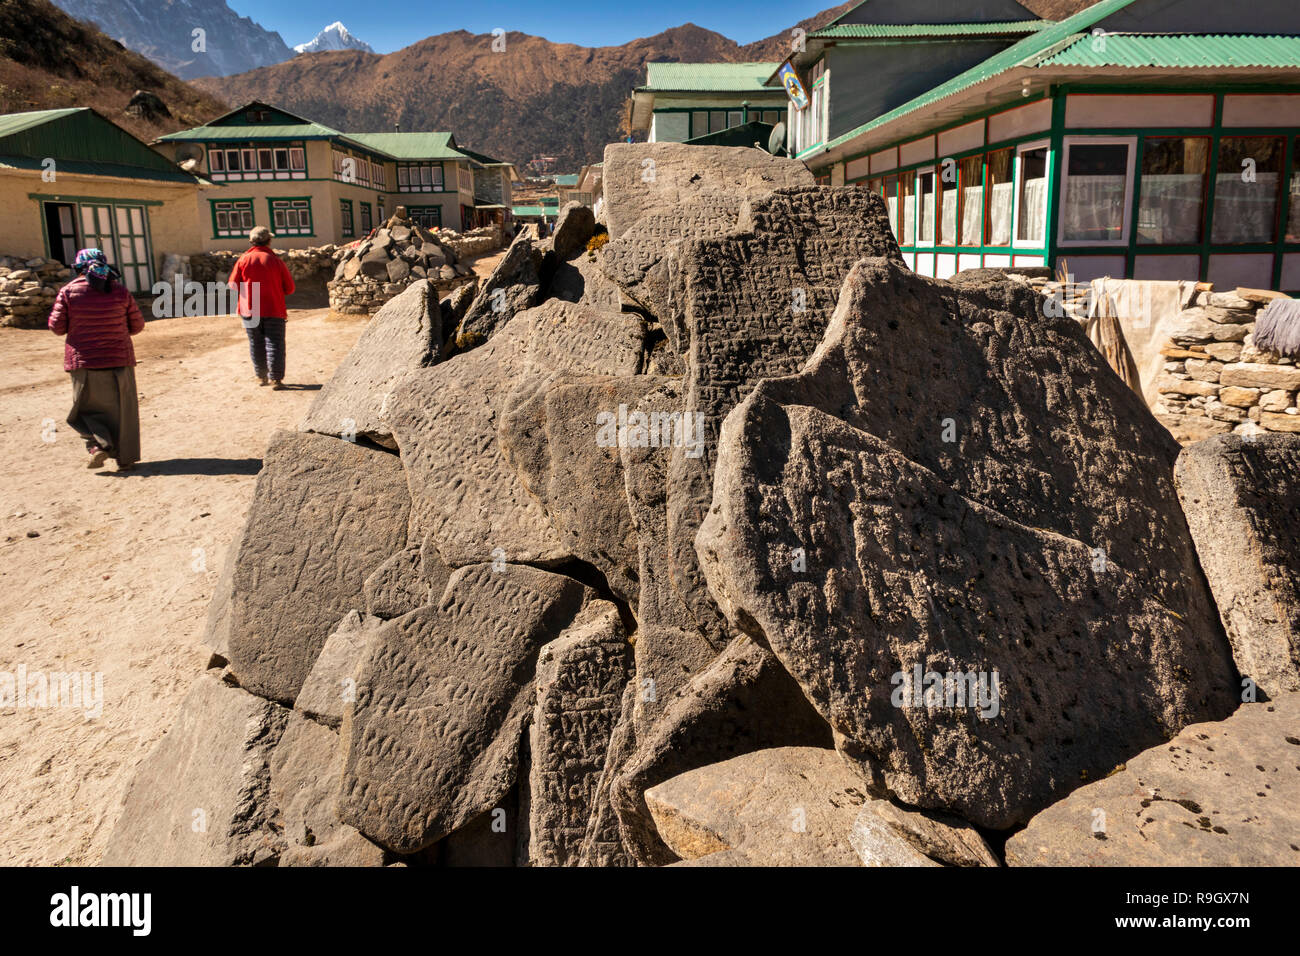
1170	211
1094	207
1243	212
1033	210
972	215
1000	214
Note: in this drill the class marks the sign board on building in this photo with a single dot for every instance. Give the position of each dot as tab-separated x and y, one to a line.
793	85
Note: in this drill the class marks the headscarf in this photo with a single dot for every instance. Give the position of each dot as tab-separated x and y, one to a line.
93	264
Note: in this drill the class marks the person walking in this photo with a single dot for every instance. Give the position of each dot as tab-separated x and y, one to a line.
263	280
98	316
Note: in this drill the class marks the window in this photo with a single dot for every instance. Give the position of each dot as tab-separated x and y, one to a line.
430	217
366	222
291	217
419	178
1174	175
891	202
948	205
217	161
925	207
971	177
699	123
907	193
282	160
1031	219
1097	191
345	218
377	175
1293	217
264	162
232	217
1001	197
297	159
249	158
1246	189
233	163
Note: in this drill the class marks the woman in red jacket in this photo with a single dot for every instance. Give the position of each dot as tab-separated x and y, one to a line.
97	314
263	281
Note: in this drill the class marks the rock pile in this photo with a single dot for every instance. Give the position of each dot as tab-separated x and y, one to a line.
398	253
732	542
28	288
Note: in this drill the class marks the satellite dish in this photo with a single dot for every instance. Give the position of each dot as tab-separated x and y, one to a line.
187	151
776	141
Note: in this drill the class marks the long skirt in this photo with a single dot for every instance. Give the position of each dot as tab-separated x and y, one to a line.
105	411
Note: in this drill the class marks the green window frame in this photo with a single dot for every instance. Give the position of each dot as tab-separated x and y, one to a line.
430	217
367	219
291	215
347	224
421	178
231	218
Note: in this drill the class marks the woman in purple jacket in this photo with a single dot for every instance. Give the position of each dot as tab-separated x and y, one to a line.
97	314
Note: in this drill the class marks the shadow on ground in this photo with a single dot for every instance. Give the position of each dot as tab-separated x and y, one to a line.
190	466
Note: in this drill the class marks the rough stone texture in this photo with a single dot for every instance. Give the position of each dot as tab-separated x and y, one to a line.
564	445
754	305
1242	500
304	772
583	280
520	275
641	261
969	556
580	680
433	738
490	839
741	702
645	177
466	498
671	648
573	227
800	806
408	580
216	633
405	334
201	797
602	845
331	682
325	514
1219	794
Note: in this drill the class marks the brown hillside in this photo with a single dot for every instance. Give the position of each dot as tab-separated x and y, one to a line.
49	61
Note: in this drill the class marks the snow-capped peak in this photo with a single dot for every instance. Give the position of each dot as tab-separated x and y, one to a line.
333	37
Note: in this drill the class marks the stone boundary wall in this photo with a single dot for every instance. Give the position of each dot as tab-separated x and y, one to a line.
27	290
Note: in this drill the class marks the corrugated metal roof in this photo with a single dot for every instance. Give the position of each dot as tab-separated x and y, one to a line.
1191	51
874	31
409	145
709	77
12	123
568	179
250	133
75	167
1030	51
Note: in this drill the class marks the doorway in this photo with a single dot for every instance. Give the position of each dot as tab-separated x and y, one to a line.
61	228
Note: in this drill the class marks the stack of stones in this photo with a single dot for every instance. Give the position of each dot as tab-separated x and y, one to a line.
305	265
28	288
383	264
1216	381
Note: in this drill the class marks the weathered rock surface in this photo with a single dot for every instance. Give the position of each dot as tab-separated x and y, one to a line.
573	227
433	738
304	771
1040	548
1218	794
1242	500
514	286
331	684
753	305
405	334
408	580
325	514
580	680
741	702
564	442
603	845
201	797
466	498
801	806
583	280
644	177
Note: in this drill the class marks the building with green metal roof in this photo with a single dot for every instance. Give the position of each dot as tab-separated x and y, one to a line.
312	184
1137	138
70	178
681	101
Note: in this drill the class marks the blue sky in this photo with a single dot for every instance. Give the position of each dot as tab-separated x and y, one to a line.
388	27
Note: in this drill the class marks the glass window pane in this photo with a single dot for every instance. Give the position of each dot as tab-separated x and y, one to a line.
699	123
264	159
907	189
1293	218
232	160
1092	208
733	118
297	159
1246	189
1174	170
971	170
926	206
250	159
217	161
891	201
1030	223
948	208
717	121
997	228
123	220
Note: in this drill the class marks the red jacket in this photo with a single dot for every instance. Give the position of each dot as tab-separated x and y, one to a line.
260	270
99	325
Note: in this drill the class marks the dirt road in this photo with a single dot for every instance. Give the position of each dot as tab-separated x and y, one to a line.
111	573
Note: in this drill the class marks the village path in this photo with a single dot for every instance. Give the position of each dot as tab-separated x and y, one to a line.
118	577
